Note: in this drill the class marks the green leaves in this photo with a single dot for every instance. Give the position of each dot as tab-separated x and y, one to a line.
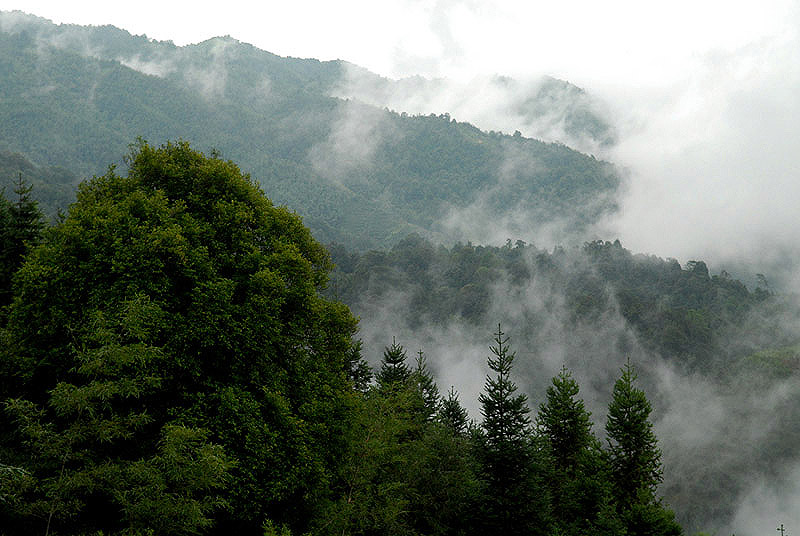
170	326
174	491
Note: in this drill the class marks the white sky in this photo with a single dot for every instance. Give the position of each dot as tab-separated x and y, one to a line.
704	92
614	41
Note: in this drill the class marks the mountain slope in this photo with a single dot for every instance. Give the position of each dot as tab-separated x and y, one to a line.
78	96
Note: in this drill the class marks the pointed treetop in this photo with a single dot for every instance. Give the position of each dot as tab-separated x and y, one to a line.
394	370
452	414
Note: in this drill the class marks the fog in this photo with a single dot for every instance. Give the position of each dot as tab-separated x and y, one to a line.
704	126
708	146
730	444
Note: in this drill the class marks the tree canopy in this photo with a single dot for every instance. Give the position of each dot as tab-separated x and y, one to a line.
173	320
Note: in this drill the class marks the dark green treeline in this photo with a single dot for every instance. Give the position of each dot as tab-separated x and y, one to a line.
169	365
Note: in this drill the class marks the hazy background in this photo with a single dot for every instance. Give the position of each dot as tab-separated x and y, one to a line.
703	100
703	94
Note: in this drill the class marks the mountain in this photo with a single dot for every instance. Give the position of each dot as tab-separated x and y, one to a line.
359	174
542	107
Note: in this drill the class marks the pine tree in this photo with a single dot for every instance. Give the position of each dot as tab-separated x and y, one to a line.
452	414
394	371
635	461
426	385
564	421
513	502
577	477
505	415
21	225
633	447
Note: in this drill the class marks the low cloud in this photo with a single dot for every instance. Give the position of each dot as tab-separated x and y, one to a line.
712	157
158	67
539	107
729	447
357	131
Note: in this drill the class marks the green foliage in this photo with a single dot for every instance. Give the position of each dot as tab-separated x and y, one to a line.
53	187
276	117
577	478
675	313
171	355
505	414
513	502
452	414
633	449
21	225
635	461
564	422
394	373
426	386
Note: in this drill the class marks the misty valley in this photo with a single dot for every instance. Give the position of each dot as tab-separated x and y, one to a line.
243	293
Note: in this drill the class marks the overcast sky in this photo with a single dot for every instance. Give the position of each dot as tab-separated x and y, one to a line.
619	41
704	93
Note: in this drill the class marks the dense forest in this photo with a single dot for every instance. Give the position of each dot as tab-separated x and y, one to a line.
699	339
170	366
368	348
682	313
364	175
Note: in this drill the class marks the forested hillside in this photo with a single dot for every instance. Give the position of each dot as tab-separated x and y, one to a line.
684	314
701	340
52	186
169	366
75	97
180	354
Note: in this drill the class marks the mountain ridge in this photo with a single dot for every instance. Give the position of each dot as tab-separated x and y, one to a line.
355	172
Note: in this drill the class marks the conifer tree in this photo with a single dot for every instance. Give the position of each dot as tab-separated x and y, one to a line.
513	502
564	421
635	461
577	477
426	385
452	414
21	224
394	371
633	447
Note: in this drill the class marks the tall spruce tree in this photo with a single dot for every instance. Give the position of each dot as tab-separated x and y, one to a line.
513	501
635	460
564	422
426	385
576	476
633	447
394	372
452	414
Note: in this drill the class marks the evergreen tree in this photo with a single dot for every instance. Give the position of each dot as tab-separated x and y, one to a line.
576	475
21	224
358	370
394	372
452	414
564	422
635	461
513	501
6	265
633	448
426	385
